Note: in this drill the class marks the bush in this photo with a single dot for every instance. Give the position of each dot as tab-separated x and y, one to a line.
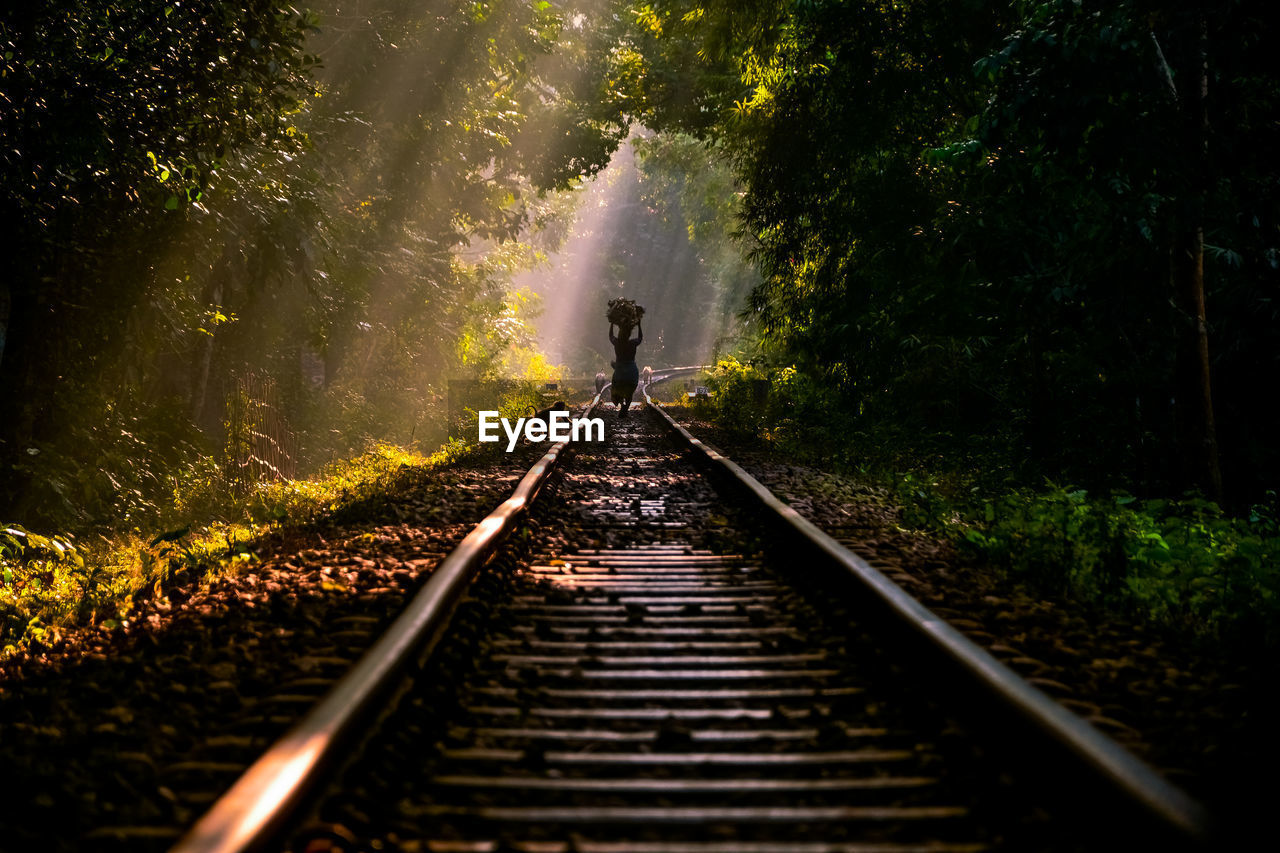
136	458
48	582
786	409
737	404
1182	564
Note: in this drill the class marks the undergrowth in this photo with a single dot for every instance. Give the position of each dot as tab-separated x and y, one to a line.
1182	564
108	553
52	582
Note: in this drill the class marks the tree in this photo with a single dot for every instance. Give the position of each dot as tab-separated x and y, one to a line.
1003	219
194	197
115	118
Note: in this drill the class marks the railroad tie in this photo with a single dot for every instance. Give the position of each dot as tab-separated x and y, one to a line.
649	680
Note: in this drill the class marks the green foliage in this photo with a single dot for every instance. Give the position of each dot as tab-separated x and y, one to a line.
197	198
142	98
20	546
734	402
1178	564
49	583
37	569
964	212
118	120
138	457
784	408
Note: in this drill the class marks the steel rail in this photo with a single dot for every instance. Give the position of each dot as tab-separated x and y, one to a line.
256	808
259	803
1168	804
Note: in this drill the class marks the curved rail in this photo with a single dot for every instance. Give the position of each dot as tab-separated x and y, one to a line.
1168	804
250	813
665	373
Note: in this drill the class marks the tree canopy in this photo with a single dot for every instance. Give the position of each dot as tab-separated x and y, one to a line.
1052	223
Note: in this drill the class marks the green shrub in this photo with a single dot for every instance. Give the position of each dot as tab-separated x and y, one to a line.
736	402
36	569
786	409
136	457
48	582
1182	564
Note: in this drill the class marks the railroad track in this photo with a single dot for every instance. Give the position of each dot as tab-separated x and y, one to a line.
654	656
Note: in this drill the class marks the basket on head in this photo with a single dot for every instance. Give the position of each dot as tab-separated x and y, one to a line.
624	313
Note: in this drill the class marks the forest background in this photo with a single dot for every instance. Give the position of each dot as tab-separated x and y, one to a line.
986	249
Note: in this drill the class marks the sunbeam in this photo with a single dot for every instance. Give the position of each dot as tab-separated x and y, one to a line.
634	235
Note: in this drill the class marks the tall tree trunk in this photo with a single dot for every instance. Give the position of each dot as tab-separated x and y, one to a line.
1197	432
200	388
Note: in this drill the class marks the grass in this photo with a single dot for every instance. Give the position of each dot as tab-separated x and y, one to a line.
207	528
51	583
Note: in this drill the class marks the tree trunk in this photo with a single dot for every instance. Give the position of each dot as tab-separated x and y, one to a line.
200	392
1197	432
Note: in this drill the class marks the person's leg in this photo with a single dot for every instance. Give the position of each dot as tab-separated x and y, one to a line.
625	383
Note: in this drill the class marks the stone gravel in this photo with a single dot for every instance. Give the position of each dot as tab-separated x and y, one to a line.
123	737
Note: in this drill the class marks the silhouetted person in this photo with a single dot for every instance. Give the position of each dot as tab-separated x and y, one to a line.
625	372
